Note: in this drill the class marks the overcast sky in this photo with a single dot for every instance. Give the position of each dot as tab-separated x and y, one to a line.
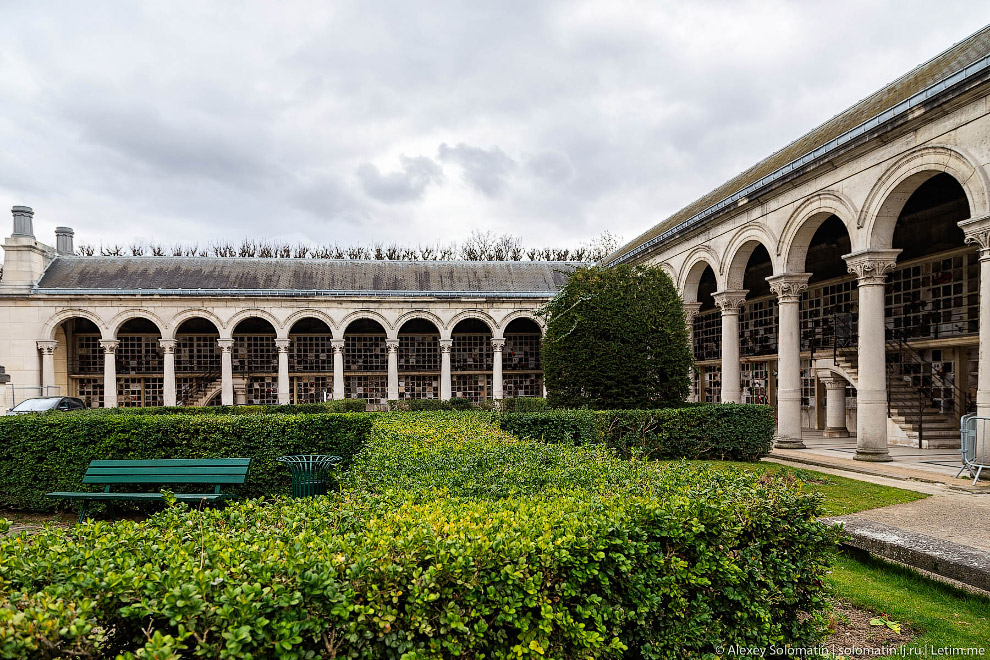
417	121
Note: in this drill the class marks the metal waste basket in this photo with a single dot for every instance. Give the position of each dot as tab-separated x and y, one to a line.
310	473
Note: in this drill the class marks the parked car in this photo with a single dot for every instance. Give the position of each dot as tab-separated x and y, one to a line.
46	404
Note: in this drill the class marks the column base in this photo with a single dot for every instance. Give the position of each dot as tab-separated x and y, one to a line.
783	442
872	455
835	433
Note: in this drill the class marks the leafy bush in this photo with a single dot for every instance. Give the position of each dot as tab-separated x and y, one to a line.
616	338
45	453
334	405
604	559
524	404
706	431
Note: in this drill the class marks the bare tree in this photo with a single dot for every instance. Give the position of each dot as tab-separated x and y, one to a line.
85	250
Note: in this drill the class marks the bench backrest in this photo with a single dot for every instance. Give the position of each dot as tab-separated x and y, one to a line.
169	471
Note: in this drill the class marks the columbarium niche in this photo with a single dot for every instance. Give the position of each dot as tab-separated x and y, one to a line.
365	361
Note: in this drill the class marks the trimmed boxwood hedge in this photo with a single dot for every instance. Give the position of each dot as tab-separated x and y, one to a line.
50	452
739	432
455	540
336	405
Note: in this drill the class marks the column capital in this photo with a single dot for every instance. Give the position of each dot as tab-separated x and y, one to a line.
871	266
168	345
691	310
338	345
445	345
498	343
109	346
226	345
832	380
730	302
788	287
282	345
392	345
47	346
977	231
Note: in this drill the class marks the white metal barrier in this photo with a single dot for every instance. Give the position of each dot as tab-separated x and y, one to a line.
975	445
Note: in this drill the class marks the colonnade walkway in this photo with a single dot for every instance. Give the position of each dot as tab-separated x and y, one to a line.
937	466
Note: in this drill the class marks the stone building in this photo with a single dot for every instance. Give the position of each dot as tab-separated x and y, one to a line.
841	279
148	331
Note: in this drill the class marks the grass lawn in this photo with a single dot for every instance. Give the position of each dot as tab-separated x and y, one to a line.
944	616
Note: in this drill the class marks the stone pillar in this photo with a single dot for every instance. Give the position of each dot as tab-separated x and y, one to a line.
393	368
168	361
4	379
977	231
690	311
226	371
835	405
871	268
789	288
445	388
338	368
730	302
47	348
498	390
109	372
282	345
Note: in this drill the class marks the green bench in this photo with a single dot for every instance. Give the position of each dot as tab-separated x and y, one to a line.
206	471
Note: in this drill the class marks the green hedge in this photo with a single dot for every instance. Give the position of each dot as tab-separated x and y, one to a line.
705	431
604	558
50	452
336	405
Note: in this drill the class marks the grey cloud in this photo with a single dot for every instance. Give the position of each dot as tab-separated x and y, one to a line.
485	170
408	184
552	166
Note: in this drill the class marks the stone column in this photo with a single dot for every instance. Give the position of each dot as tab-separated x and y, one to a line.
977	231
168	361
393	368
871	268
835	405
109	372
226	371
282	345
730	302
498	392
445	388
4	379
338	368
47	349
789	288
690	311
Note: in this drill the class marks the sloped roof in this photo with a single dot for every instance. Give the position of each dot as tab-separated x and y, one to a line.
956	58
251	276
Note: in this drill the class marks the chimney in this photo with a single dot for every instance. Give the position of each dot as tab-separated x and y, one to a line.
23	221
63	241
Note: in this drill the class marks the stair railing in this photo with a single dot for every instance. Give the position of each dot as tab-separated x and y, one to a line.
199	385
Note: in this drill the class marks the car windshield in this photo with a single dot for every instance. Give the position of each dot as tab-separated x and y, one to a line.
36	405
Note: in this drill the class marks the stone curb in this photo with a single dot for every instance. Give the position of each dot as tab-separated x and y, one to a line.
968	565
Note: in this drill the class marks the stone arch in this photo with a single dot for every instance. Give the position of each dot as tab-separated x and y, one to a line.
418	314
792	248
887	198
181	317
448	330
519	314
129	314
738	251
694	266
228	331
390	332
51	326
297	316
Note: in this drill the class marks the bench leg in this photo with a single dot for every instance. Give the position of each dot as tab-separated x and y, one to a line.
82	512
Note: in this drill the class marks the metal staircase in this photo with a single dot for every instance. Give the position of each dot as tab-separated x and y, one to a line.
199	392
